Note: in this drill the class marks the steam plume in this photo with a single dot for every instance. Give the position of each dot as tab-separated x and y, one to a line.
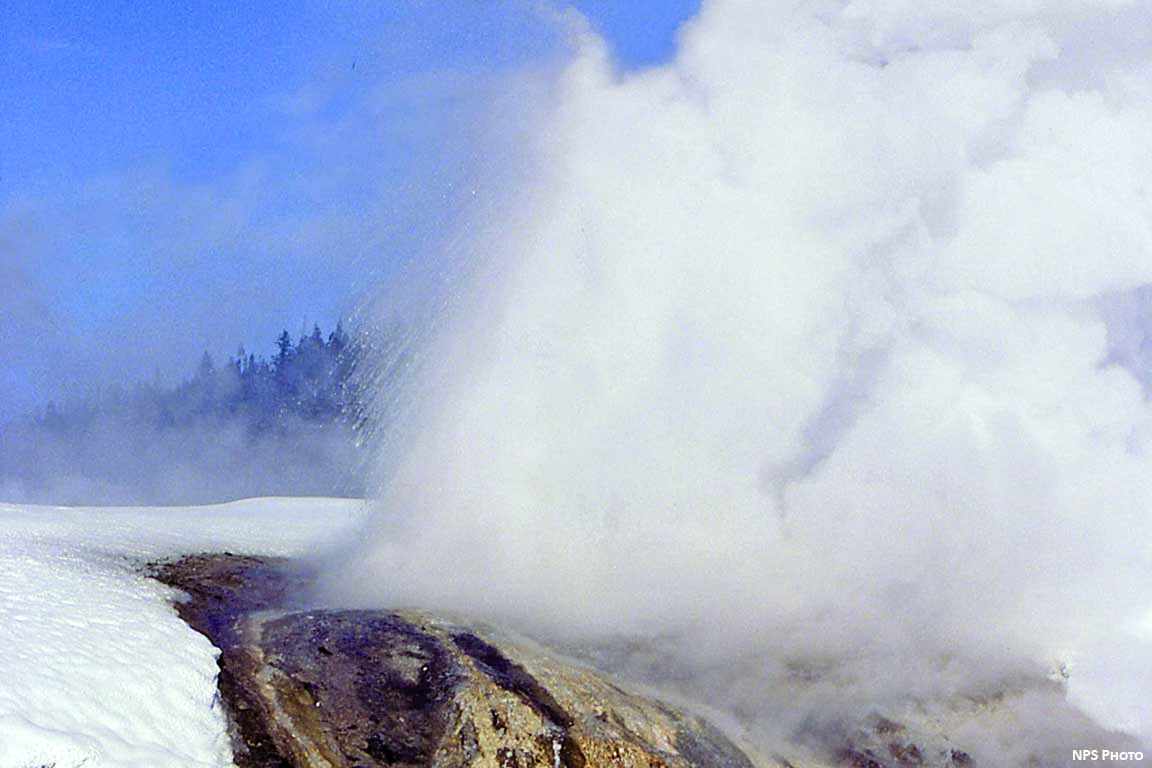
794	346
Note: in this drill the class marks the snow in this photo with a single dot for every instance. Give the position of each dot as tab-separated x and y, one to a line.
96	669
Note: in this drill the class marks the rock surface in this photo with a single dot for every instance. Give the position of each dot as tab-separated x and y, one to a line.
309	688
356	689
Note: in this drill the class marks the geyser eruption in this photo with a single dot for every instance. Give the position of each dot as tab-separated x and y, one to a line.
793	348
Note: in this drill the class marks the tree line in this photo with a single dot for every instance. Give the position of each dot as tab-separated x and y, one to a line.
286	424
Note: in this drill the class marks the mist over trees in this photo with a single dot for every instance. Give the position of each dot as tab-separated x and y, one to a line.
289	424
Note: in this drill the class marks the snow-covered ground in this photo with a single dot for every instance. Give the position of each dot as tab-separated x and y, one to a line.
96	670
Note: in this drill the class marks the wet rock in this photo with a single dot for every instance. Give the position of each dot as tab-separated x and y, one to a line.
309	688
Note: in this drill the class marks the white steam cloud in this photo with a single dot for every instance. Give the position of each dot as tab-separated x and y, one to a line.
794	346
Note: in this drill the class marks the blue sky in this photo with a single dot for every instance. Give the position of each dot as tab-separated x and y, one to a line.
185	176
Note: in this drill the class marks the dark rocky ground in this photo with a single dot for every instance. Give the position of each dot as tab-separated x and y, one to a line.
357	689
312	688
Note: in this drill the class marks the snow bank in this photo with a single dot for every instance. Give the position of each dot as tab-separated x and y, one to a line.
95	667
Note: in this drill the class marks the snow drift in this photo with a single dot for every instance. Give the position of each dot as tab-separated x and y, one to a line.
96	668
